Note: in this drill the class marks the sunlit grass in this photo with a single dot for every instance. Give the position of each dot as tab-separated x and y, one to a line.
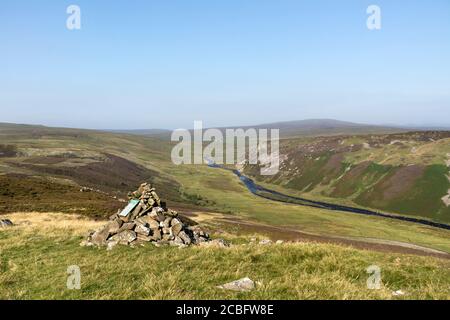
35	255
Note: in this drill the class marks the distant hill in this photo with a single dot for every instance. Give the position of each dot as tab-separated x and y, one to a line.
310	127
144	132
21	129
313	127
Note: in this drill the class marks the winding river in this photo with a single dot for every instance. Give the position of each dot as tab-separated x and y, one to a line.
269	194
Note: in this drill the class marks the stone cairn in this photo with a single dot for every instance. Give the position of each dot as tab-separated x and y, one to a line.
146	219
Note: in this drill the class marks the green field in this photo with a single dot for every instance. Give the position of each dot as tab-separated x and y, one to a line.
35	256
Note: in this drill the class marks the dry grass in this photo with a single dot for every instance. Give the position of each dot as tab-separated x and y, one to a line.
49	222
35	254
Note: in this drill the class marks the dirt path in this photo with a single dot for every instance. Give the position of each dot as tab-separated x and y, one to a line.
281	233
288	234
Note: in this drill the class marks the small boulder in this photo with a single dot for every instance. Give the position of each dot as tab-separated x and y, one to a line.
398	293
99	237
151	223
167	222
156	234
172	213
186	239
127	226
168	237
114	217
218	243
144	238
125	237
176	229
111	244
175	221
245	284
140	229
157	214
114	226
178	242
5	223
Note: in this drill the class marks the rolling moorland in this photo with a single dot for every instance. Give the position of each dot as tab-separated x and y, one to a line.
43	169
405	173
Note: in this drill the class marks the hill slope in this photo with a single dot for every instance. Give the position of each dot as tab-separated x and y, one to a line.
44	169
406	173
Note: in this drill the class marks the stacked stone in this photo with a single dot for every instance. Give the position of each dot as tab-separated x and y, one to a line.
149	221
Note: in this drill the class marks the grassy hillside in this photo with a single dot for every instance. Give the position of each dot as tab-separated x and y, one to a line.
25	193
111	163
47	168
35	256
403	173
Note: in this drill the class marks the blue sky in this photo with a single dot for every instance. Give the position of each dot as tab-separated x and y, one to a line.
165	63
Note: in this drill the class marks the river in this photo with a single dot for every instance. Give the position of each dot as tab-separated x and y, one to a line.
273	195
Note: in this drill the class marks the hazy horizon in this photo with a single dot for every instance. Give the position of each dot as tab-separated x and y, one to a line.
442	126
165	64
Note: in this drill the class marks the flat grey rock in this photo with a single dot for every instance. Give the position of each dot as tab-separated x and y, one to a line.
244	284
